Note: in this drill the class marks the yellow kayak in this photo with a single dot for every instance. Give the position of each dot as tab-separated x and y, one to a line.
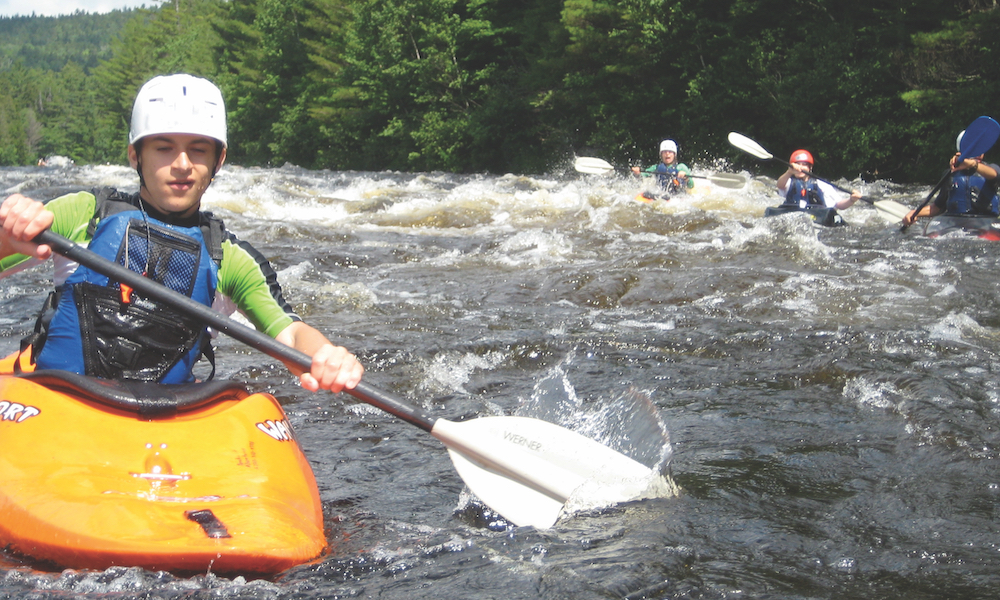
178	478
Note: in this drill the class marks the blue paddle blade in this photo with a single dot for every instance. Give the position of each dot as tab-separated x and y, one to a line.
979	137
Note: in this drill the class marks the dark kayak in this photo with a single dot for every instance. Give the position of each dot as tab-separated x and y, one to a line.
820	215
982	226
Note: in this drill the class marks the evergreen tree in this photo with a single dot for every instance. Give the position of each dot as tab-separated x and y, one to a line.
13	135
420	71
267	73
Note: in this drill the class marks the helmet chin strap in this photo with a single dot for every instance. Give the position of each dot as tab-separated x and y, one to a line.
138	169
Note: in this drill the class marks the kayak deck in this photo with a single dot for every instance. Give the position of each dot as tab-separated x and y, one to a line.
985	227
214	482
827	217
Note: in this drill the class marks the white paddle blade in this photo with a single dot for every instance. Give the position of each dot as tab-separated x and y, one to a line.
593	166
891	210
517	503
749	146
729	180
527	469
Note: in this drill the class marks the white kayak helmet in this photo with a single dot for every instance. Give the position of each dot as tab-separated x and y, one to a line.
178	103
668	146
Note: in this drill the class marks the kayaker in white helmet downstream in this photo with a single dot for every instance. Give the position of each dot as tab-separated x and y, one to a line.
672	177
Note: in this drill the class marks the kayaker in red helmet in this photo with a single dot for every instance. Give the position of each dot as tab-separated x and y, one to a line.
177	144
803	191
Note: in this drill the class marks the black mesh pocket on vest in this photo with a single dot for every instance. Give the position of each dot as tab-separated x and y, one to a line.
138	340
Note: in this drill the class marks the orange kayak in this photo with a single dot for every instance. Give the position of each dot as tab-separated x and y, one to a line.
175	478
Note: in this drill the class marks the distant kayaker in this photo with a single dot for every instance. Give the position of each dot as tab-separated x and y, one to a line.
92	326
804	191
971	191
672	176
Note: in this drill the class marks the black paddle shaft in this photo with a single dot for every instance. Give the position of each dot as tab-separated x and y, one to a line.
220	322
927	200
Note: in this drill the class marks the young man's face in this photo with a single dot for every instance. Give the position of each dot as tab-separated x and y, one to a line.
668	157
177	168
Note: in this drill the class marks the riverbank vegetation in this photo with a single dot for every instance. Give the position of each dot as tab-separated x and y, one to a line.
875	88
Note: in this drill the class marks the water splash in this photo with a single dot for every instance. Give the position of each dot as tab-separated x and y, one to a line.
627	422
451	371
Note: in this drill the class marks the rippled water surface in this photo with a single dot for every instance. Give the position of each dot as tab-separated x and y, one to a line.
830	395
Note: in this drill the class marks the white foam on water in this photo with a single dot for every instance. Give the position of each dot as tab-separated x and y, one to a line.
451	371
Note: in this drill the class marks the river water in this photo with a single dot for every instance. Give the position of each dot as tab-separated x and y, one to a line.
829	394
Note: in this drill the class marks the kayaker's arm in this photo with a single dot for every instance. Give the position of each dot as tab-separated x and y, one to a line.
782	182
929	210
333	367
984	169
684	174
987	170
23	219
849	201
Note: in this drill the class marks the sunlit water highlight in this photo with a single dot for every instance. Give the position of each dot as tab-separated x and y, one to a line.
825	399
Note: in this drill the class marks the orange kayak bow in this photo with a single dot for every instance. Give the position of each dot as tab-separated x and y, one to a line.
177	478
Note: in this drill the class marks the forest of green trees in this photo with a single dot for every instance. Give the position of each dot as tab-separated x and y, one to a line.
875	88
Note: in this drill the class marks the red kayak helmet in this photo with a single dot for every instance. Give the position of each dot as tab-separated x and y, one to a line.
802	156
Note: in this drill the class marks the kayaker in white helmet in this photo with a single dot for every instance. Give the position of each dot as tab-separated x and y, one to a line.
672	176
177	144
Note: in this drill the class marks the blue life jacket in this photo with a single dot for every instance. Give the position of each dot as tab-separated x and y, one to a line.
804	194
666	176
971	194
103	329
